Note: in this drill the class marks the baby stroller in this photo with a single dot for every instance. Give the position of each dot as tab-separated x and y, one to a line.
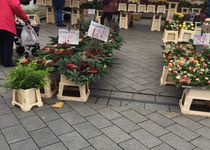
25	50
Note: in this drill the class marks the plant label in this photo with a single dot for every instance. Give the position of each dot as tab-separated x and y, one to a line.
201	39
98	31
91	11
68	36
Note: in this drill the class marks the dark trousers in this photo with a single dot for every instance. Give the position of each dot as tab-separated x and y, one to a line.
58	16
108	16
6	47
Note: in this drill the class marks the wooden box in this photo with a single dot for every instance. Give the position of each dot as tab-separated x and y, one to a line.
124	20
185	10
122	7
196	11
150	8
170	14
142	8
48	2
185	35
165	78
50	15
156	23
170	36
75	4
132	7
161	9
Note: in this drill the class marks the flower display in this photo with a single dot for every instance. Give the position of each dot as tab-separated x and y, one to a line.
187	26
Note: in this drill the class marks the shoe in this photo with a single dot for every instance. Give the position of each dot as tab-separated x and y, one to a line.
10	65
61	25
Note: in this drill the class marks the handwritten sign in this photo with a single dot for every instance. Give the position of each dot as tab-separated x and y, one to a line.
91	11
201	39
98	31
68	36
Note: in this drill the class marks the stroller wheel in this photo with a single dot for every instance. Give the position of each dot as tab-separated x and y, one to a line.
34	51
20	50
26	54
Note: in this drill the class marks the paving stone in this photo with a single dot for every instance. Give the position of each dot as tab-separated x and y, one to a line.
169	115
180	131
64	109
121	95
125	124
195	118
43	137
102	101
146	138
142	97
48	114
24	145
59	126
89	148
153	128
202	143
8	121
73	117
84	110
133	144
138	87
92	100
73	141
116	134
15	134
205	132
188	123
99	121
109	113
87	130
114	102
156	107
205	122
176	142
163	147
120	108
100	93
103	143
97	106
56	146
41	108
159	119
32	123
20	114
134	116
3	143
4	109
167	100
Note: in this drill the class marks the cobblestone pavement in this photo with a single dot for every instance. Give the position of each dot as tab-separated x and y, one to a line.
127	109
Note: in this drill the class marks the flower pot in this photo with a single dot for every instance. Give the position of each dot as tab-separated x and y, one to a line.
165	78
75	91
170	36
26	99
189	97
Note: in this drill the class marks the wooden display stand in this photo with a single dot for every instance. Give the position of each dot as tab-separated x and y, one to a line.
132	7
26	99
52	85
98	16
194	94
156	23
48	2
161	9
50	15
75	4
68	3
122	7
124	20
165	78
186	35
40	2
170	14
83	90
75	16
185	10
173	5
142	8
34	18
170	36
150	8
196	11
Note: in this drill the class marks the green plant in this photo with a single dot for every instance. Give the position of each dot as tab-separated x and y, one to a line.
26	77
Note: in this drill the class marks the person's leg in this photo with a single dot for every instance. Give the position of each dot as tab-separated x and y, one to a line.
109	17
7	49
60	16
103	18
1	47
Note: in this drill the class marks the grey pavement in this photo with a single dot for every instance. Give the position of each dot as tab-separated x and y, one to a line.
128	109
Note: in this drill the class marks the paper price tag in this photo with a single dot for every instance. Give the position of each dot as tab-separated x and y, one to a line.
68	36
98	31
91	11
201	39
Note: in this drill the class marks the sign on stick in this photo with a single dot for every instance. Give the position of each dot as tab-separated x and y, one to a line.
201	39
68	36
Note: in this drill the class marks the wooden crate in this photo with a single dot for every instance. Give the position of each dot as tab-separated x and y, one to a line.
75	4
50	15
68	3
161	9
185	10
156	22
196	11
186	35
26	99
151	8
48	2
40	2
173	5
142	8
170	36
122	7
98	15
83	90
124	20
34	18
165	78
189	96
132	7
170	14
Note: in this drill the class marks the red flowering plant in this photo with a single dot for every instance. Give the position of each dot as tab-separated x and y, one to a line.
81	69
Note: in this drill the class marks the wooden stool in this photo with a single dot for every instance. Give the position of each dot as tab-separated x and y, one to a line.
185	10
123	20
122	7
156	23
75	16
165	78
170	14
161	9
170	36
186	35
173	5
142	8
83	90
132	7
196	11
26	99
40	2
75	4
150	8
194	94
48	2
50	16
68	3
98	16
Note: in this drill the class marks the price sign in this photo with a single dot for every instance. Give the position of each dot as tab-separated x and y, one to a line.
201	39
98	31
91	11
68	36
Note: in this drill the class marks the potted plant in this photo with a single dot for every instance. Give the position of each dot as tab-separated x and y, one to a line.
26	80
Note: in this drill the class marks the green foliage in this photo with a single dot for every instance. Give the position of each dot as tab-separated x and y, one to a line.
95	4
26	77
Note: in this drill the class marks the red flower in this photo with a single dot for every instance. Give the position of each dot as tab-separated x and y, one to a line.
93	70
97	52
49	62
71	66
